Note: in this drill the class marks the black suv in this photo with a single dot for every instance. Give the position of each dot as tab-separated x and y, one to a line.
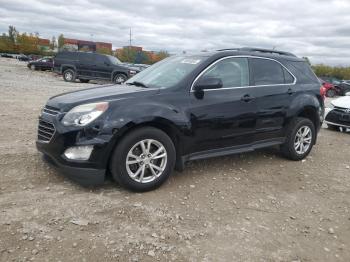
86	66
183	108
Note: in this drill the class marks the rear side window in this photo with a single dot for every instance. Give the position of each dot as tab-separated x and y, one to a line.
266	72
303	72
66	55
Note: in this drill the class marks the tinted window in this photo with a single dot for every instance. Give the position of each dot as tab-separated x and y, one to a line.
288	78
87	58
266	72
233	72
303	72
100	59
66	55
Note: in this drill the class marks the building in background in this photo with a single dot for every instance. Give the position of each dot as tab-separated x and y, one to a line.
43	44
88	46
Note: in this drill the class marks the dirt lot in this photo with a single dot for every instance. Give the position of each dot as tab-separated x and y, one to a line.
248	207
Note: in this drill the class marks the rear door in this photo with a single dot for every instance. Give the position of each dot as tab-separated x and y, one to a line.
273	85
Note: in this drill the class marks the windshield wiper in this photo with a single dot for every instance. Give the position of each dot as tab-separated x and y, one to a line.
136	83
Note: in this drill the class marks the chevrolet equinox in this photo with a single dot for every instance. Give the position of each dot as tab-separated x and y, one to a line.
184	108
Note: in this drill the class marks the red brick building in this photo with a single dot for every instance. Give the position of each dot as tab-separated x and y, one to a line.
87	45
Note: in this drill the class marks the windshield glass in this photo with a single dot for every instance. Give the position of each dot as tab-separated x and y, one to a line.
114	60
167	72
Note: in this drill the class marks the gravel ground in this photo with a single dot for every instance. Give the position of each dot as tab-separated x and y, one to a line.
247	207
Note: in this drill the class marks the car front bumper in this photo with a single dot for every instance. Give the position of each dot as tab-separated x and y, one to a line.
86	172
337	118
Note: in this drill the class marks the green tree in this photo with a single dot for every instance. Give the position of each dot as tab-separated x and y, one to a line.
104	51
60	41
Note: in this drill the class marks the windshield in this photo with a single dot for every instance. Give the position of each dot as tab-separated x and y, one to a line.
114	60
167	72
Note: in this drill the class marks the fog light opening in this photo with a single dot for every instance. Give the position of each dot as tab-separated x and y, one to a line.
78	152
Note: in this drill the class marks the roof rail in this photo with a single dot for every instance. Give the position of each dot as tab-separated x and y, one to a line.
261	50
272	51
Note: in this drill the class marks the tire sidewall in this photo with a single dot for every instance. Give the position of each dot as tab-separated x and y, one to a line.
73	75
291	138
118	160
119	75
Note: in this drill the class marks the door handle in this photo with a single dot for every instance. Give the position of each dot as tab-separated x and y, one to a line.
246	98
290	91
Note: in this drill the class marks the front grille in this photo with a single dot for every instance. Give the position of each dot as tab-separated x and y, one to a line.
46	130
341	109
51	110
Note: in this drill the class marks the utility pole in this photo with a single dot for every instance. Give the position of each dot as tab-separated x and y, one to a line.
129	58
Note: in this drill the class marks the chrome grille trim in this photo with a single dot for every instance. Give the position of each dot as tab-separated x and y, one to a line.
46	131
51	110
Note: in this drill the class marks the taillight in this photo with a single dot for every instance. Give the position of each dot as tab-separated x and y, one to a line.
323	91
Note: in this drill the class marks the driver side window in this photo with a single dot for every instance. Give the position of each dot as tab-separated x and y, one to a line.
233	72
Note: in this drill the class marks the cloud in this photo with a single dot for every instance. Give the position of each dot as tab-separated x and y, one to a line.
318	29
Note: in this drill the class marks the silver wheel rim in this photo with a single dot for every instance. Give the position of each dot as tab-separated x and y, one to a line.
303	139
146	161
69	76
120	79
33	67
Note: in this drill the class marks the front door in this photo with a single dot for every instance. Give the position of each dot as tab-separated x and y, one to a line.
224	117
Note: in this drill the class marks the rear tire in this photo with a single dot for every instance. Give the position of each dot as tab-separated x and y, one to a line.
331	93
119	79
144	168
300	131
69	75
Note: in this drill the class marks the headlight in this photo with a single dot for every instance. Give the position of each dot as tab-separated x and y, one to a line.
84	114
132	72
331	106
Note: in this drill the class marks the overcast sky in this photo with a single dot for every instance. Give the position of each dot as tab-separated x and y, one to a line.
319	29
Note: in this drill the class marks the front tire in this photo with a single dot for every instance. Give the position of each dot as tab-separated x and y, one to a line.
69	75
143	160
33	67
119	79
301	136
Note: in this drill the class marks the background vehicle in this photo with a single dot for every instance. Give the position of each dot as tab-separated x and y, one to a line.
45	63
181	109
330	89
344	87
86	66
338	115
23	58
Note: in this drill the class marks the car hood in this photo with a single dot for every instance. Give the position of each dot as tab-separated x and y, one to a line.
343	102
66	101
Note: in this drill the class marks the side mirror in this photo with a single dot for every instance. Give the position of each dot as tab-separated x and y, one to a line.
208	83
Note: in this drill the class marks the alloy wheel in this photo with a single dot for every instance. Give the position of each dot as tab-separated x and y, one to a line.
303	139
69	76
146	161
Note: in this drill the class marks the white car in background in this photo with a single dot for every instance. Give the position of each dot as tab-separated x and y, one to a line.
338	114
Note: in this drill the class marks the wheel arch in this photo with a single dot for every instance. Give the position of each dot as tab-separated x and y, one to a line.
162	124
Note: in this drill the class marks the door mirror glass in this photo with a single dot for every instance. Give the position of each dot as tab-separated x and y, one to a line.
208	83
